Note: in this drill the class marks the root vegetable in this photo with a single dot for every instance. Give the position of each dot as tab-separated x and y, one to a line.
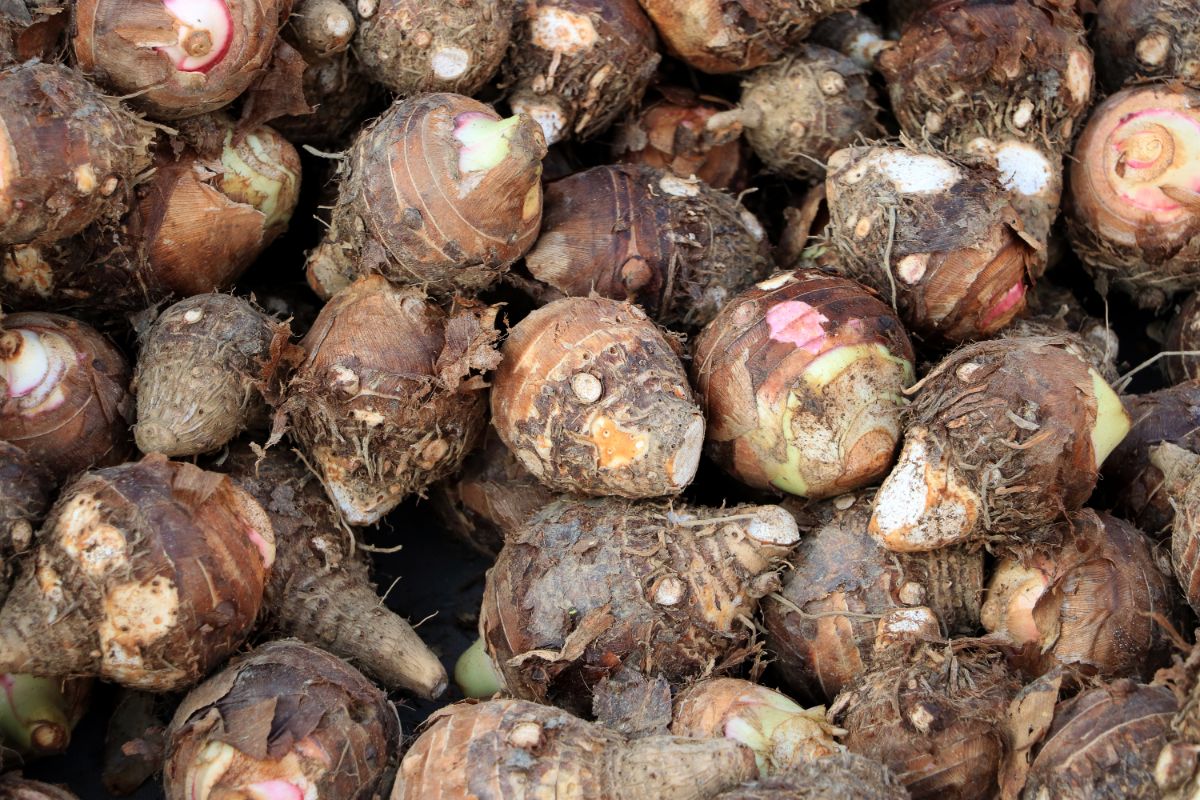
936	237
673	245
207	369
1183	335
440	192
845	776
14	787
389	397
1133	212
71	155
25	488
1004	437
852	34
1146	38
588	586
1087	595
1103	744
821	626
147	574
37	715
512	750
410	46
286	720
322	28
673	134
799	111
1005	81
781	733
592	399
177	58
576	65
32	29
717	37
63	395
1055	312
801	378
342	97
135	741
1181	484
319	589
491	498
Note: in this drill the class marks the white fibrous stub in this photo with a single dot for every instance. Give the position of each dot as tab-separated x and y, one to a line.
752	225
1079	75
782	279
862	48
916	173
912	267
679	187
909	620
449	62
559	30
669	591
1023	168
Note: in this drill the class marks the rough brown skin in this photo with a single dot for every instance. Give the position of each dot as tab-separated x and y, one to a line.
1131	485
938	239
1180	469
1054	311
207	369
516	750
31	29
587	586
77	415
285	712
716	36
673	245
118	41
576	65
1103	744
592	399
124	570
321	29
936	718
841	776
14	787
135	741
25	494
410	46
407	211
672	134
1146	39
341	94
851	33
491	497
821	625
973	75
1184	335
71	155
775	419
319	589
1087	595
802	109
1149	249
389	397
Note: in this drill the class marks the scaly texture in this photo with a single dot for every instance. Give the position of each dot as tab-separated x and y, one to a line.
841	776
1180	469
25	489
587	586
341	95
672	245
1183	335
1146	39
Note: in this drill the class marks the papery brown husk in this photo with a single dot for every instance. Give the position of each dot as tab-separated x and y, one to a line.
749	369
290	710
208	368
840	776
399	41
946	259
588	586
147	574
1054	311
135	740
592	399
116	41
341	96
839	567
1180	469
389	397
32	29
673	245
405	211
716	37
14	787
936	718
1166	31
512	749
71	155
576	65
1183	335
91	425
25	494
672	134
1103	605
1103	744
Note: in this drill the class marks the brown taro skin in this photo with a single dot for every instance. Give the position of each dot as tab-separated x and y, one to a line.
840	776
783	411
69	155
407	210
592	398
1146	39
14	787
286	718
673	245
148	575
1103	744
77	413
170	68
341	95
821	626
576	65
517	750
587	586
25	489
1184	335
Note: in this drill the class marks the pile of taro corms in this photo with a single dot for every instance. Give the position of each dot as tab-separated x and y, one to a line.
778	399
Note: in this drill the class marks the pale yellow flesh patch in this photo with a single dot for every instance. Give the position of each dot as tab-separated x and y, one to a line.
1112	422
